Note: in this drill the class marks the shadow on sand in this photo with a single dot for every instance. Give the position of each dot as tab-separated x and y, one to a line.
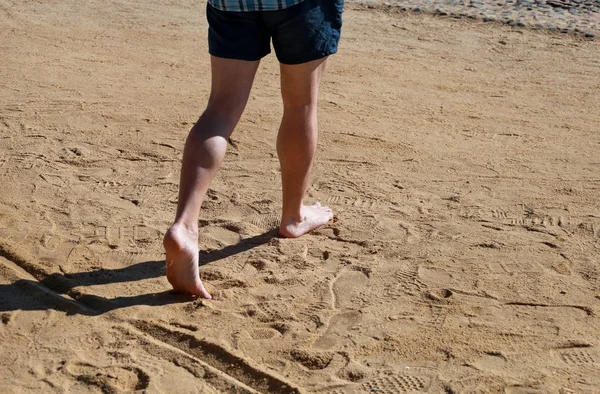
49	293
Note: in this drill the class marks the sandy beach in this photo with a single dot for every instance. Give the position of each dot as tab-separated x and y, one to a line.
460	158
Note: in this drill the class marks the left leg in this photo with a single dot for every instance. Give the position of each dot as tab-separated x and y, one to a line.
309	34
296	146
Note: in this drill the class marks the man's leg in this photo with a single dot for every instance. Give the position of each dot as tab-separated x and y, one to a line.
296	146
202	156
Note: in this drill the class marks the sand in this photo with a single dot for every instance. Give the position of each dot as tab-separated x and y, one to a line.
461	160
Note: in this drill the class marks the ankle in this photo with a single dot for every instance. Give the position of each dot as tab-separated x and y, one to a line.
189	229
294	215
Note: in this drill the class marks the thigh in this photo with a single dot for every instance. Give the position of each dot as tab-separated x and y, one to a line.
307	31
300	82
237	35
231	83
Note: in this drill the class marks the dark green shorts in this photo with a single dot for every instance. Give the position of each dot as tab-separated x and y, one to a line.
302	33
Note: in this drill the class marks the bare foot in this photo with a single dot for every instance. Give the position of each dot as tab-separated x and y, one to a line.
312	216
181	247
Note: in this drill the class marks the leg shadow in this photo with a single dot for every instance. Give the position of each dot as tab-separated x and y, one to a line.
50	292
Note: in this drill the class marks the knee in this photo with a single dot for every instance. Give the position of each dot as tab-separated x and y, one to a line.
227	111
306	111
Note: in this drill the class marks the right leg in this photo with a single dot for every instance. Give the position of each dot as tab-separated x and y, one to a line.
202	156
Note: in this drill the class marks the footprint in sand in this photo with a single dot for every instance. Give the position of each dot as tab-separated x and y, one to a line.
311	359
220	235
262	334
230	284
347	290
392	229
271	312
397	383
491	362
265	222
291	247
437	317
434	275
372	228
354	372
529	320
579	356
360	202
405	281
336	335
321	298
339	187
111	379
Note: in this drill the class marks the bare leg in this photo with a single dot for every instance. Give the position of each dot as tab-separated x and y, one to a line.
296	146
202	156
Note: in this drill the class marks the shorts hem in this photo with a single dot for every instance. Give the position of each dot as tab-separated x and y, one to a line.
313	57
237	56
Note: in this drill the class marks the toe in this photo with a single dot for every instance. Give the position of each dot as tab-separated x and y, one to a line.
203	292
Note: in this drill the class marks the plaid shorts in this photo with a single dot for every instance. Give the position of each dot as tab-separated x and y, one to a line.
302	33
